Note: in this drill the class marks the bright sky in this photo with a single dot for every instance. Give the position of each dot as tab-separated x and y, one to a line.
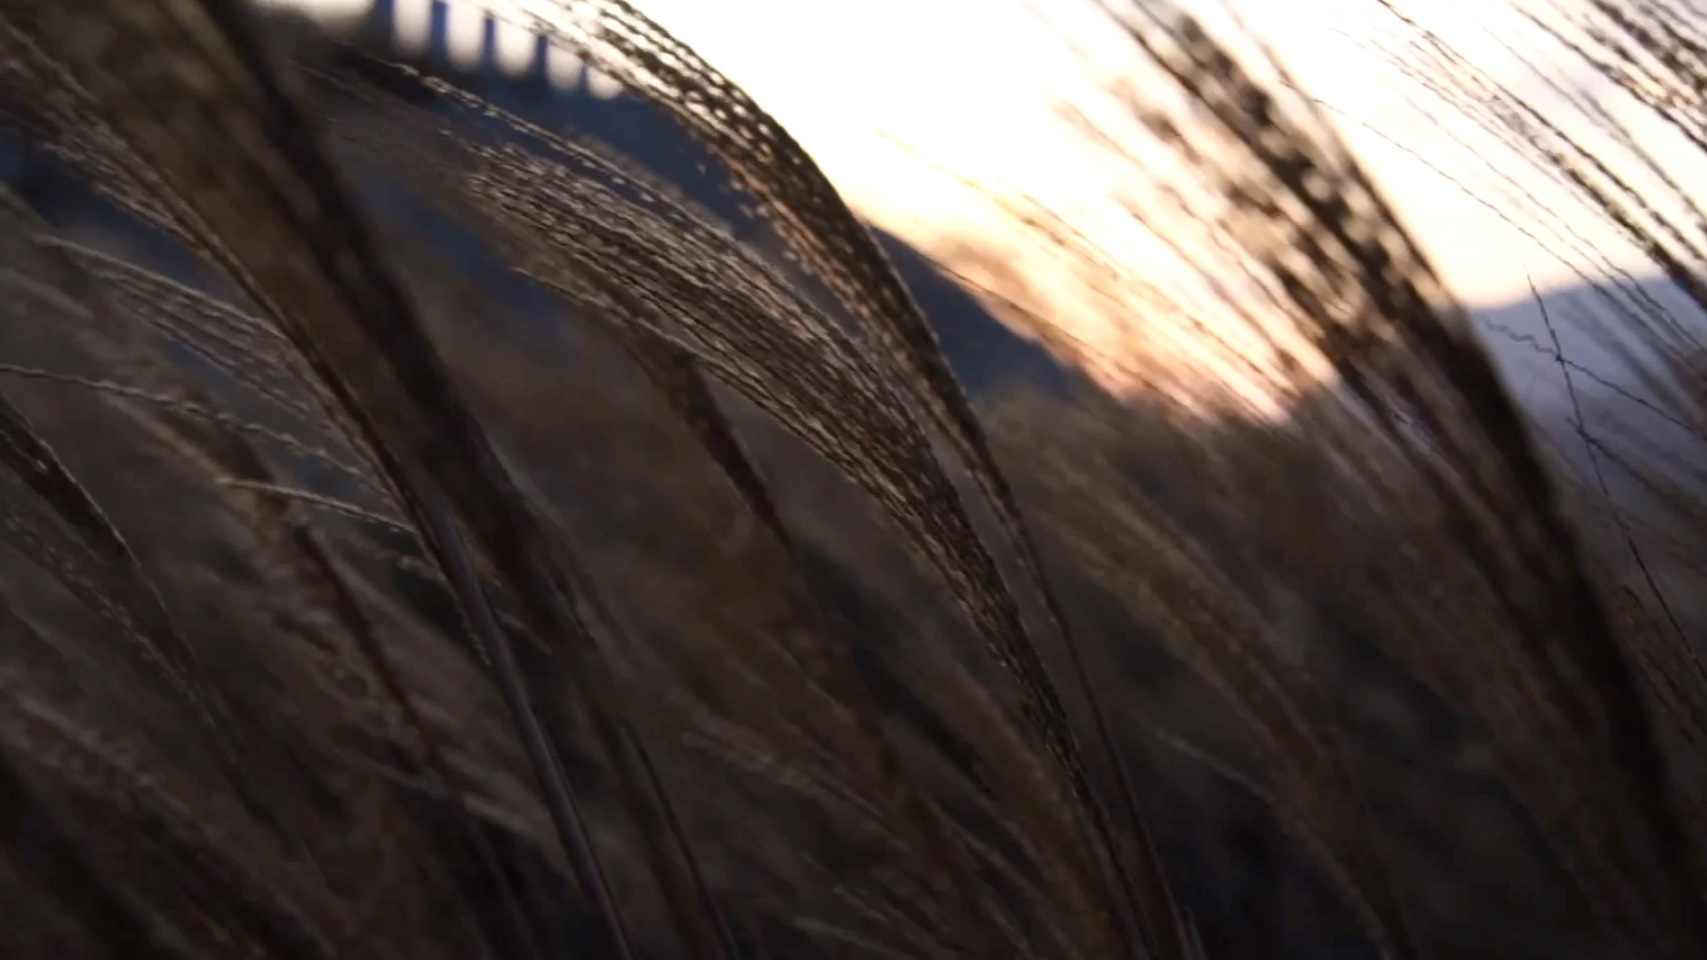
971	85
971	88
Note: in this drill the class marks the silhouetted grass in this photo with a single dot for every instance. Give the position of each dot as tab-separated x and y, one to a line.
630	587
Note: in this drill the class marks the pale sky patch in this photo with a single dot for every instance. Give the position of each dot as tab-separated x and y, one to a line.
971	86
901	100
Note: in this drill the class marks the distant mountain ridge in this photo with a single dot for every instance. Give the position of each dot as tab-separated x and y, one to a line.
1520	334
1591	406
984	352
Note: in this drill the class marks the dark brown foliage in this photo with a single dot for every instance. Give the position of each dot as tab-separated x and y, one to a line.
351	610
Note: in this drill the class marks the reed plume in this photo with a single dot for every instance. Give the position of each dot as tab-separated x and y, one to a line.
428	532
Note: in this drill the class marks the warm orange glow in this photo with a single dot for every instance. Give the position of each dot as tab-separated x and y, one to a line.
929	114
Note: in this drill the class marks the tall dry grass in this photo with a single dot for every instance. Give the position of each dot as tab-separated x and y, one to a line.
632	588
